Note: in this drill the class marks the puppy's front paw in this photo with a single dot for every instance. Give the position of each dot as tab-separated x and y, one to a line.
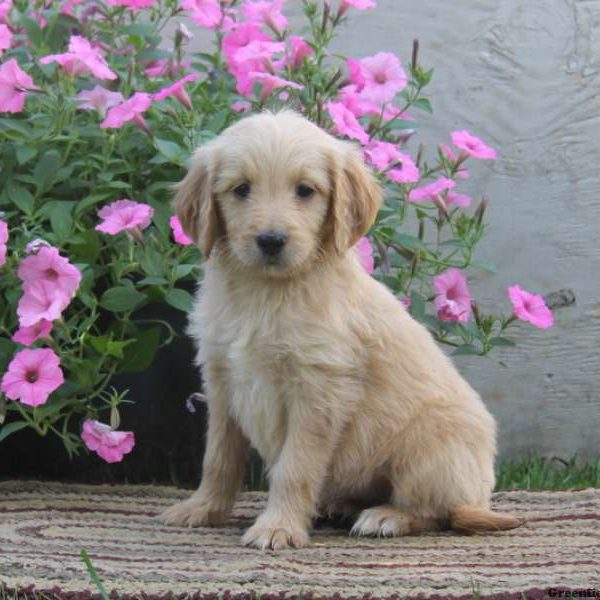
193	512
274	534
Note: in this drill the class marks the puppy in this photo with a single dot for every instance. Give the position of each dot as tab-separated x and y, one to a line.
307	358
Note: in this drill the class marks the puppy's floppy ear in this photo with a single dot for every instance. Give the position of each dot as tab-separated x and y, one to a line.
355	198
195	203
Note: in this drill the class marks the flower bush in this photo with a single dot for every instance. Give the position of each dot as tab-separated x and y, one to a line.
98	115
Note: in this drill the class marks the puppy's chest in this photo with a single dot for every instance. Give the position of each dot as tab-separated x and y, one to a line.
260	374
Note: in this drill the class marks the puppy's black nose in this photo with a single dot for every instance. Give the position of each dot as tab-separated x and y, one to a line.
271	243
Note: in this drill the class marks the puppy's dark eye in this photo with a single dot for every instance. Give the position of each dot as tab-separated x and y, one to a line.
304	191
242	191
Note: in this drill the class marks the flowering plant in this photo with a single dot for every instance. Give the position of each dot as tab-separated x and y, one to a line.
98	116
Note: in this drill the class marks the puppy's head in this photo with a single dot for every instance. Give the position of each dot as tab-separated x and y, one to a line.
277	193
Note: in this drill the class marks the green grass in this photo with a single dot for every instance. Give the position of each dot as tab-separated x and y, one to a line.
528	473
536	473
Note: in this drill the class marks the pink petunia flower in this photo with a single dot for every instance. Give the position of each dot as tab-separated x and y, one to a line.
356	103
359	105
129	110
238	38
428	192
41	300
382	155
358	4
32	376
178	234
31	334
163	67
364	250
49	266
404	171
378	78
81	57
257	56
265	12
177	91
124	215
530	307
5	38
243	53
462	200
14	85
206	13
108	444
99	99
3	242
299	50
452	296
133	4
5	6
345	122
68	6
241	106
472	145
270	83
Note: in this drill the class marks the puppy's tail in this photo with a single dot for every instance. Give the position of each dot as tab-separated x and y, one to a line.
475	519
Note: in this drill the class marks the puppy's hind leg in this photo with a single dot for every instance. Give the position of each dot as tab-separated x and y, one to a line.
388	521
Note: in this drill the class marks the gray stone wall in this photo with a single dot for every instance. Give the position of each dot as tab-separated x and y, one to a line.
525	76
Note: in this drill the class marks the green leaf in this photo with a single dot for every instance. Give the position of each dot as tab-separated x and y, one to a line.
86	246
21	197
172	151
180	299
12	428
58	29
141	29
118	185
408	241
103	344
465	350
153	262
417	305
20	129
33	30
121	299
45	170
423	104
86	373
139	355
152	280
93	199
59	213
501	341
485	265
162	213
53	406
25	153
182	271
217	123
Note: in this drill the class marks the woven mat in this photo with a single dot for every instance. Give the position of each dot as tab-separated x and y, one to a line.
43	527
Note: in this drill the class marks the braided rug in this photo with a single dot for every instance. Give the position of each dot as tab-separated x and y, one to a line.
44	527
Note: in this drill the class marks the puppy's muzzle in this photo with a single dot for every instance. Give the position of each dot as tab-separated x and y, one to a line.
271	243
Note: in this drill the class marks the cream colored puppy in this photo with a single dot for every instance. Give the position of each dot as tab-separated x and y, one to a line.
313	362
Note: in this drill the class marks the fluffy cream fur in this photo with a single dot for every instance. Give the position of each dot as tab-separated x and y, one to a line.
307	358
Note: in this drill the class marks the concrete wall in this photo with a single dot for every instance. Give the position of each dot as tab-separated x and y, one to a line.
525	76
